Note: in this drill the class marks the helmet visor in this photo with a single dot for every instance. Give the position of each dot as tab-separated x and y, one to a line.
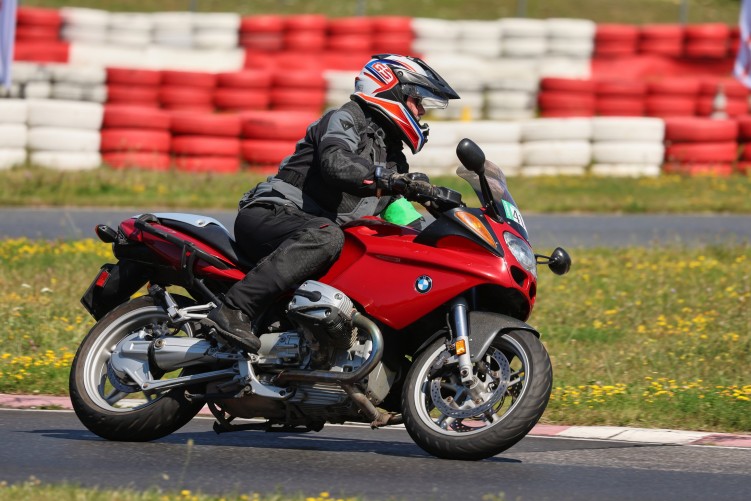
428	99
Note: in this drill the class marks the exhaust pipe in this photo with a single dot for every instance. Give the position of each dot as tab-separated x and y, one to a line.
342	378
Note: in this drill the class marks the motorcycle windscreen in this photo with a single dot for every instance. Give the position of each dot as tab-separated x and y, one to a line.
503	200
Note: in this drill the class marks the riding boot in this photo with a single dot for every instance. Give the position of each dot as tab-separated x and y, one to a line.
234	327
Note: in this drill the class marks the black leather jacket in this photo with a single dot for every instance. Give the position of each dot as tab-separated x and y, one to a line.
331	172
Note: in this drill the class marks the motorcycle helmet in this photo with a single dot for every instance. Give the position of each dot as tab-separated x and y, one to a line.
385	83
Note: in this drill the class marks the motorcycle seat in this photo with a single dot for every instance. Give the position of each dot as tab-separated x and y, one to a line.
211	233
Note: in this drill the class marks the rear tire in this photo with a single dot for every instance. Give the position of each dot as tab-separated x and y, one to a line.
96	401
514	380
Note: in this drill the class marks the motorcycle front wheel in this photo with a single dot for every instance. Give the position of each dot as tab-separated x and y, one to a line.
120	411
513	380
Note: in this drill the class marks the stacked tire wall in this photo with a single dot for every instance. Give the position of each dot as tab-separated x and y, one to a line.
176	66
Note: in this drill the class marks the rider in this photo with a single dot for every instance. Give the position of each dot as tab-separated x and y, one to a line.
339	171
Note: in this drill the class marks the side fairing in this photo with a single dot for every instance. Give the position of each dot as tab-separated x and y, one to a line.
398	281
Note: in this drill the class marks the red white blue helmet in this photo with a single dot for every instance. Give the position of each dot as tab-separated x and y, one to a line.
384	85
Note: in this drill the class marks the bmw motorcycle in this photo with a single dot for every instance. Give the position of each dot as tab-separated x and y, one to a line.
425	328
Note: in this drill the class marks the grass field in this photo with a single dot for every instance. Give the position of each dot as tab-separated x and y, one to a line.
148	190
621	11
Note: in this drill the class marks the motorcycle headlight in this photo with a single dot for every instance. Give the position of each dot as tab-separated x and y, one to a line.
522	252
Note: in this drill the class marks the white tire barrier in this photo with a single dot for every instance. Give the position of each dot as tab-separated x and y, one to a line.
551	170
11	157
551	129
556	153
13	111
13	136
628	129
626	170
434	161
489	131
617	152
36	90
61	139
523	28
68	114
507	156
66	160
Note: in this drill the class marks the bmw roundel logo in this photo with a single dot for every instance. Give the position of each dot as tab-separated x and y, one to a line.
423	284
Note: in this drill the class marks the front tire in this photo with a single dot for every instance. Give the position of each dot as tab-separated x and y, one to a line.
514	380
104	409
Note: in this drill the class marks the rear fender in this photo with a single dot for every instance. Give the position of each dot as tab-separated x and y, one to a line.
113	285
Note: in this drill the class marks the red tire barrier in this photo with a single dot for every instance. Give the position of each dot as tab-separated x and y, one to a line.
276	125
350	25
571	85
266	42
211	164
707	31
266	152
206	124
569	103
245	79
359	42
620	88
268	23
255	59
706	152
305	41
662	39
391	24
242	99
41	52
619	106
306	22
298	99
129	116
133	94
392	43
189	79
705	107
38	16
664	107
183	95
731	87
745	152
744	128
674	87
137	160
139	140
34	33
613	40
299	79
706	49
130	76
700	130
744	168
206	146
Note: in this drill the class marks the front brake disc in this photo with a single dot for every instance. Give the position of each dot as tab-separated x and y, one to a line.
452	408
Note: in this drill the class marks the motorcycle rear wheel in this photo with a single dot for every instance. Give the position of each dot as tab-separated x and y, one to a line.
103	408
514	380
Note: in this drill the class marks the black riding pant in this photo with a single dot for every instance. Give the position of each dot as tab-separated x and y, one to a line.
289	245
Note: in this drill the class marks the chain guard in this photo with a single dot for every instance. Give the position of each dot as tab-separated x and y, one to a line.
451	409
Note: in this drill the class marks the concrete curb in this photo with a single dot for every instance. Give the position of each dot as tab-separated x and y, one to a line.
615	433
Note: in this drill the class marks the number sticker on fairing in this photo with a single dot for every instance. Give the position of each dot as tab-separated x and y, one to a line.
512	212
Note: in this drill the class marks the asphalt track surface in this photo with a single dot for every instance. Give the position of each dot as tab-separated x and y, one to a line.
357	461
546	231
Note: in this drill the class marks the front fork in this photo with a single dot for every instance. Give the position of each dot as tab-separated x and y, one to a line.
460	327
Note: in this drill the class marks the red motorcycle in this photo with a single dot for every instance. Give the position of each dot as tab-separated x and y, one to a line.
425	328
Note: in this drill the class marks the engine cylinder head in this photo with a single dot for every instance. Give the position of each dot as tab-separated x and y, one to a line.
325	312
